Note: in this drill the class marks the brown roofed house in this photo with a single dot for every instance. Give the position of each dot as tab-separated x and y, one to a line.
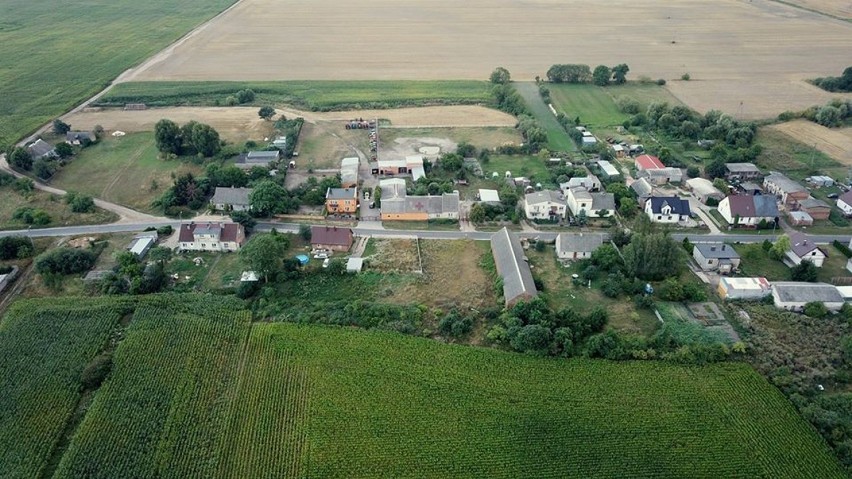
211	237
331	238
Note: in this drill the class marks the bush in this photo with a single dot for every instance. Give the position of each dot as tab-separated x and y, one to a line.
165	230
65	261
455	325
80	203
661	82
815	309
843	248
15	247
95	372
31	216
685	77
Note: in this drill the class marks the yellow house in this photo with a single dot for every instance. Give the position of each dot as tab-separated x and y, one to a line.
341	201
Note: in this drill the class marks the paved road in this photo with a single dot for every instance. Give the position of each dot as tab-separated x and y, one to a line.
374	229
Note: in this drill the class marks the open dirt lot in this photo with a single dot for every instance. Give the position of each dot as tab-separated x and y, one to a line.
742	52
836	143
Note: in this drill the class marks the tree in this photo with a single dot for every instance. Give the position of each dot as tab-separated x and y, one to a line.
628	207
716	169
693	172
477	213
243	218
60	127
305	232
44	168
266	112
266	198
264	253
815	309
619	73
619	191
828	116
64	150
80	203
780	248
167	136
15	247
245	96
21	159
601	75
804	271
721	185
582	218
653	256
65	261
533	339
160	254
569	73
200	138
500	76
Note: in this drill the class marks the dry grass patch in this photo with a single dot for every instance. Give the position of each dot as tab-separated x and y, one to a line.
393	256
836	143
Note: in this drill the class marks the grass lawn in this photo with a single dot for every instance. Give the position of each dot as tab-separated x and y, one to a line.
794	159
60	213
834	266
122	170
531	167
217	270
560	292
439	225
557	137
596	106
312	95
56	57
756	262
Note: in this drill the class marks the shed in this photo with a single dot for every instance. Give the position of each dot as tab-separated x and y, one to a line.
744	288
703	189
800	218
608	169
142	243
794	295
489	196
354	265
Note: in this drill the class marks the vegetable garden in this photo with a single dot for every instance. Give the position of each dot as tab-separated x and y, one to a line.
197	390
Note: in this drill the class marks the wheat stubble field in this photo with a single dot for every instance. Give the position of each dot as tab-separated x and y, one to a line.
745	57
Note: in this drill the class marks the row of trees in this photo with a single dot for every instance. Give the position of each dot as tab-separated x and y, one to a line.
843	83
192	138
580	73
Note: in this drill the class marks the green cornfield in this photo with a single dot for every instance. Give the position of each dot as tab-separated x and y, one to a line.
198	390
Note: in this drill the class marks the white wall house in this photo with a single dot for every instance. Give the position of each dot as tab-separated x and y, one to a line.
845	203
544	205
748	210
211	237
577	245
802	249
667	209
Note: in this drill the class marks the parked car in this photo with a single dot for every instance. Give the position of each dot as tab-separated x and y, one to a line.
326	262
832	196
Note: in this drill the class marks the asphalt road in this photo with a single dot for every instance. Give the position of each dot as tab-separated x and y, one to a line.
378	232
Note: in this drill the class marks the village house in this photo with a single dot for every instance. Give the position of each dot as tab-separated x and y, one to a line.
716	257
748	210
741	171
80	138
331	238
544	205
41	149
590	182
704	190
845	203
513	268
662	176
667	209
341	201
794	295
571	246
788	190
231	199
349	172
818	209
802	249
397	205
211	237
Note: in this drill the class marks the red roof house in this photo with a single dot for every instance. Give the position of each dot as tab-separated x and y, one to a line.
648	162
331	238
211	236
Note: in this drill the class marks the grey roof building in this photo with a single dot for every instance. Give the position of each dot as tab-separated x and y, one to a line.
742	170
512	266
258	158
78	137
578	245
642	188
41	149
793	295
234	198
603	201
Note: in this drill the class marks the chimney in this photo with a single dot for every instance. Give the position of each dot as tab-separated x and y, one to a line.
712	248
723	247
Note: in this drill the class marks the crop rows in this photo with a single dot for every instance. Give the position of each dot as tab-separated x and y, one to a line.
162	411
269	421
43	350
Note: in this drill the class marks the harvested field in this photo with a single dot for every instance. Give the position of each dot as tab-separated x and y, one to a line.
393	256
836	143
427	116
331	40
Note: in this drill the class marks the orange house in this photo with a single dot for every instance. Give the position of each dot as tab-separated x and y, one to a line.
341	201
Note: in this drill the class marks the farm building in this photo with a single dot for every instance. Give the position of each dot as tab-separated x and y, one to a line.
667	209
341	201
788	190
80	138
703	189
412	165
544	205
397	205
800	218
258	158
513	267
211	236
748	210
662	176
741	171
231	199
489	196
642	188
577	245
331	238
648	162
619	151
141	243
818	209
820	180
845	203
41	149
589	140
802	249
349	172
794	295
744	288
415	166
590	182
750	188
716	257
608	170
